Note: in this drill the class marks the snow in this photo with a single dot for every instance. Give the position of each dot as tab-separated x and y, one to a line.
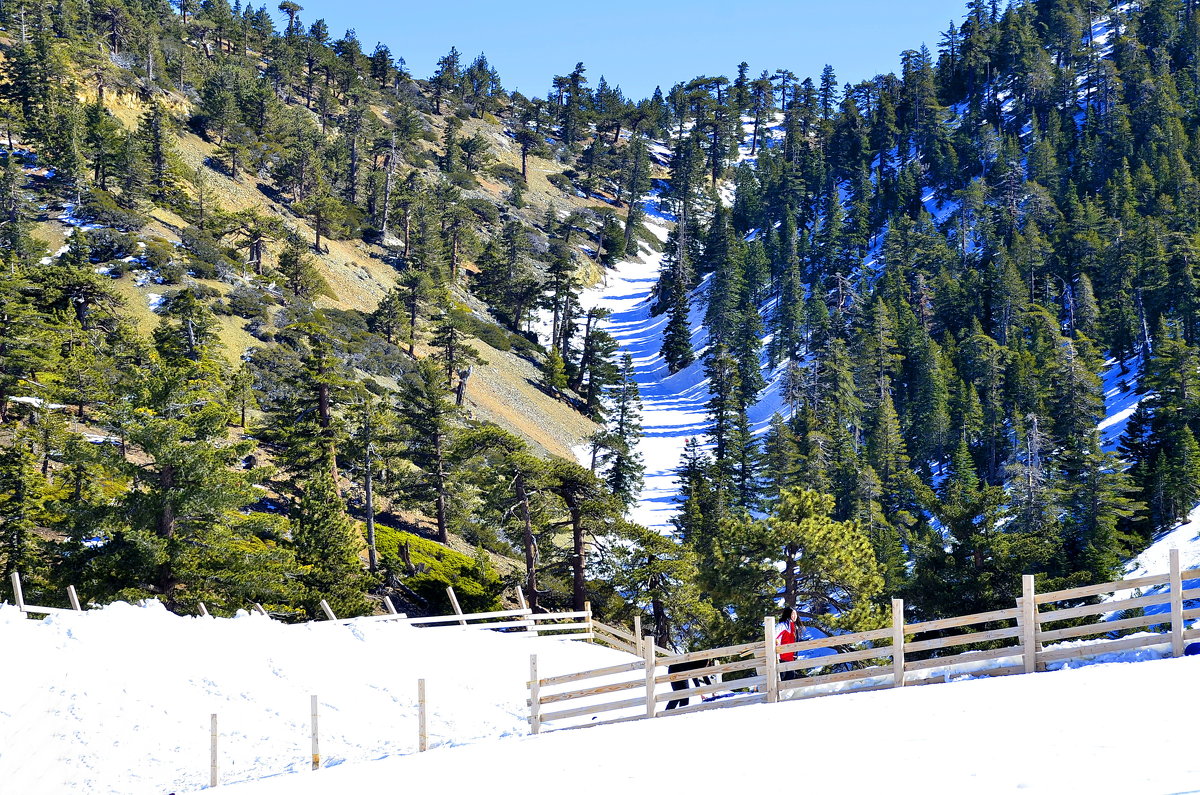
117	700
1121	399
1155	559
978	736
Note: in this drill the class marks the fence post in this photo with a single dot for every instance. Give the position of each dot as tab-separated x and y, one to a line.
1029	623
203	609
454	601
772	659
648	656
521	599
316	753
1176	605
637	634
587	608
212	754
422	733
327	610
391	608
897	643
535	696
18	594
262	611
74	597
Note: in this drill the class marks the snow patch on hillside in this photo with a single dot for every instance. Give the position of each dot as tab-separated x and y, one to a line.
1121	398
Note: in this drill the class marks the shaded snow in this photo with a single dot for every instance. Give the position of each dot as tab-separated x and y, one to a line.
1121	398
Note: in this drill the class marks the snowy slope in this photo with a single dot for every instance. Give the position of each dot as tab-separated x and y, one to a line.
118	700
980	736
673	405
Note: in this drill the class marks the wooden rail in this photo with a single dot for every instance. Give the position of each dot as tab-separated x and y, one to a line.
576	625
993	643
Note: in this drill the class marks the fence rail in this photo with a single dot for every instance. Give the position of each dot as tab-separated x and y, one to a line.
576	624
993	643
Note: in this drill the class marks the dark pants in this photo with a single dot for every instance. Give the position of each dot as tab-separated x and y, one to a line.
787	676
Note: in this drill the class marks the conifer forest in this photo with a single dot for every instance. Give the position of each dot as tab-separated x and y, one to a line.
283	322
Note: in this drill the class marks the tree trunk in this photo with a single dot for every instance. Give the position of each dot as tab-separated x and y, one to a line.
166	531
387	189
531	593
443	534
662	629
578	561
372	560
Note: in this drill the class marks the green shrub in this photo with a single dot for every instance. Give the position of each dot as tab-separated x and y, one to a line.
435	567
507	173
249	302
501	338
100	207
109	244
208	260
562	182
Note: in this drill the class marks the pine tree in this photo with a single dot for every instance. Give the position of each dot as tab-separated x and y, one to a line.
450	341
622	462
328	545
659	576
829	565
677	338
23	492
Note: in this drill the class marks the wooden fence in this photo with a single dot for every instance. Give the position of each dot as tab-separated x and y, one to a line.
577	624
996	643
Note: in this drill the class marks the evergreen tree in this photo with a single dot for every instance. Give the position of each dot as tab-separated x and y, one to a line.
328	545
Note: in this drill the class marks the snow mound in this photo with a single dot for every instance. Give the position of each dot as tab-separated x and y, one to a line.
118	700
1119	728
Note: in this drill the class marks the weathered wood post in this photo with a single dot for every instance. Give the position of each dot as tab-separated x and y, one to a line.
327	610
648	656
1176	605
18	594
262	611
587	608
637	634
521	599
771	661
213	778
454	602
74	597
422	732
316	752
203	610
897	643
1028	611
535	696
391	608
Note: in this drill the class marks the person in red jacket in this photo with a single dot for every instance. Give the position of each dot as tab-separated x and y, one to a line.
787	631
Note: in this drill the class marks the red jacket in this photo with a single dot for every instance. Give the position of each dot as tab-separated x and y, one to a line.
785	633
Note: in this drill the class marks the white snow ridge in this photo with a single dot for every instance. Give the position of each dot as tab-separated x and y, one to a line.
117	700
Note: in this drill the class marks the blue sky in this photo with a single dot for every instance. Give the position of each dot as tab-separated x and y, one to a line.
638	45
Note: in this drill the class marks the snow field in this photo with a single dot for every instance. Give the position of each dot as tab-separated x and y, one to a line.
118	700
1119	729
